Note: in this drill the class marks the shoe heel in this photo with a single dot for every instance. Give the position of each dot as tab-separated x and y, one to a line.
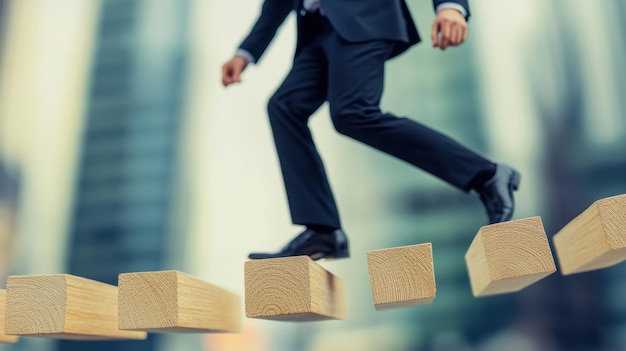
515	180
343	253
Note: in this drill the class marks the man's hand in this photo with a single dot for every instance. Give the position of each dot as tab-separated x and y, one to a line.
452	26
231	71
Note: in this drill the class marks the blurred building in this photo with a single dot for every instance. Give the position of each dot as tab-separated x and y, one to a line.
585	125
571	82
91	97
43	73
127	178
440	90
9	188
8	193
130	156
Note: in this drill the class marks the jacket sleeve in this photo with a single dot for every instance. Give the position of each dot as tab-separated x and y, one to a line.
273	14
463	3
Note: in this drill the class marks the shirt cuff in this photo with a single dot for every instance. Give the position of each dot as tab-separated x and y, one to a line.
452	5
246	55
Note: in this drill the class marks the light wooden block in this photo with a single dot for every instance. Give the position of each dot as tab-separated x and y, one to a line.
7	339
595	239
293	289
507	257
172	301
64	307
402	276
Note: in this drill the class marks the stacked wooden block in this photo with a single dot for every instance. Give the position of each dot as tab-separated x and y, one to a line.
293	289
502	258
69	307
3	337
402	276
172	301
63	306
299	289
507	257
595	239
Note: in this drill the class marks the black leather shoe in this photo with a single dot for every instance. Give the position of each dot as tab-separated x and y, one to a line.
313	244
497	194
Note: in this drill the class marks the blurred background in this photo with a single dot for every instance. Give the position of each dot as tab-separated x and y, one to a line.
120	151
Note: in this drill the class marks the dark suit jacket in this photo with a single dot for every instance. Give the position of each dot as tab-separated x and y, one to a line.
354	20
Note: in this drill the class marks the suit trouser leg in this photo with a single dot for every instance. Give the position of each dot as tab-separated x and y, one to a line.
356	79
303	91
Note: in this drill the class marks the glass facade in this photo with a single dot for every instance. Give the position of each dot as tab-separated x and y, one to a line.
127	174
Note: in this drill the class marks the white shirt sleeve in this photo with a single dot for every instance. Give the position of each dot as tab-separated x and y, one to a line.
452	5
246	55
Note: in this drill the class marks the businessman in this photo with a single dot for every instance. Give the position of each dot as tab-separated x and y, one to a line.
340	56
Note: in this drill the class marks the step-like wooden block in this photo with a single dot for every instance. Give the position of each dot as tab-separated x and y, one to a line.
293	289
172	301
63	306
7	339
595	239
507	257
402	276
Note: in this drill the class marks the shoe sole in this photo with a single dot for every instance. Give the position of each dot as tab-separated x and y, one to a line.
337	256
315	256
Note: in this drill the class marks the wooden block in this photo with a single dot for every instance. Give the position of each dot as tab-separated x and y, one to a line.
595	239
172	301
402	276
508	257
4	338
293	289
64	307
